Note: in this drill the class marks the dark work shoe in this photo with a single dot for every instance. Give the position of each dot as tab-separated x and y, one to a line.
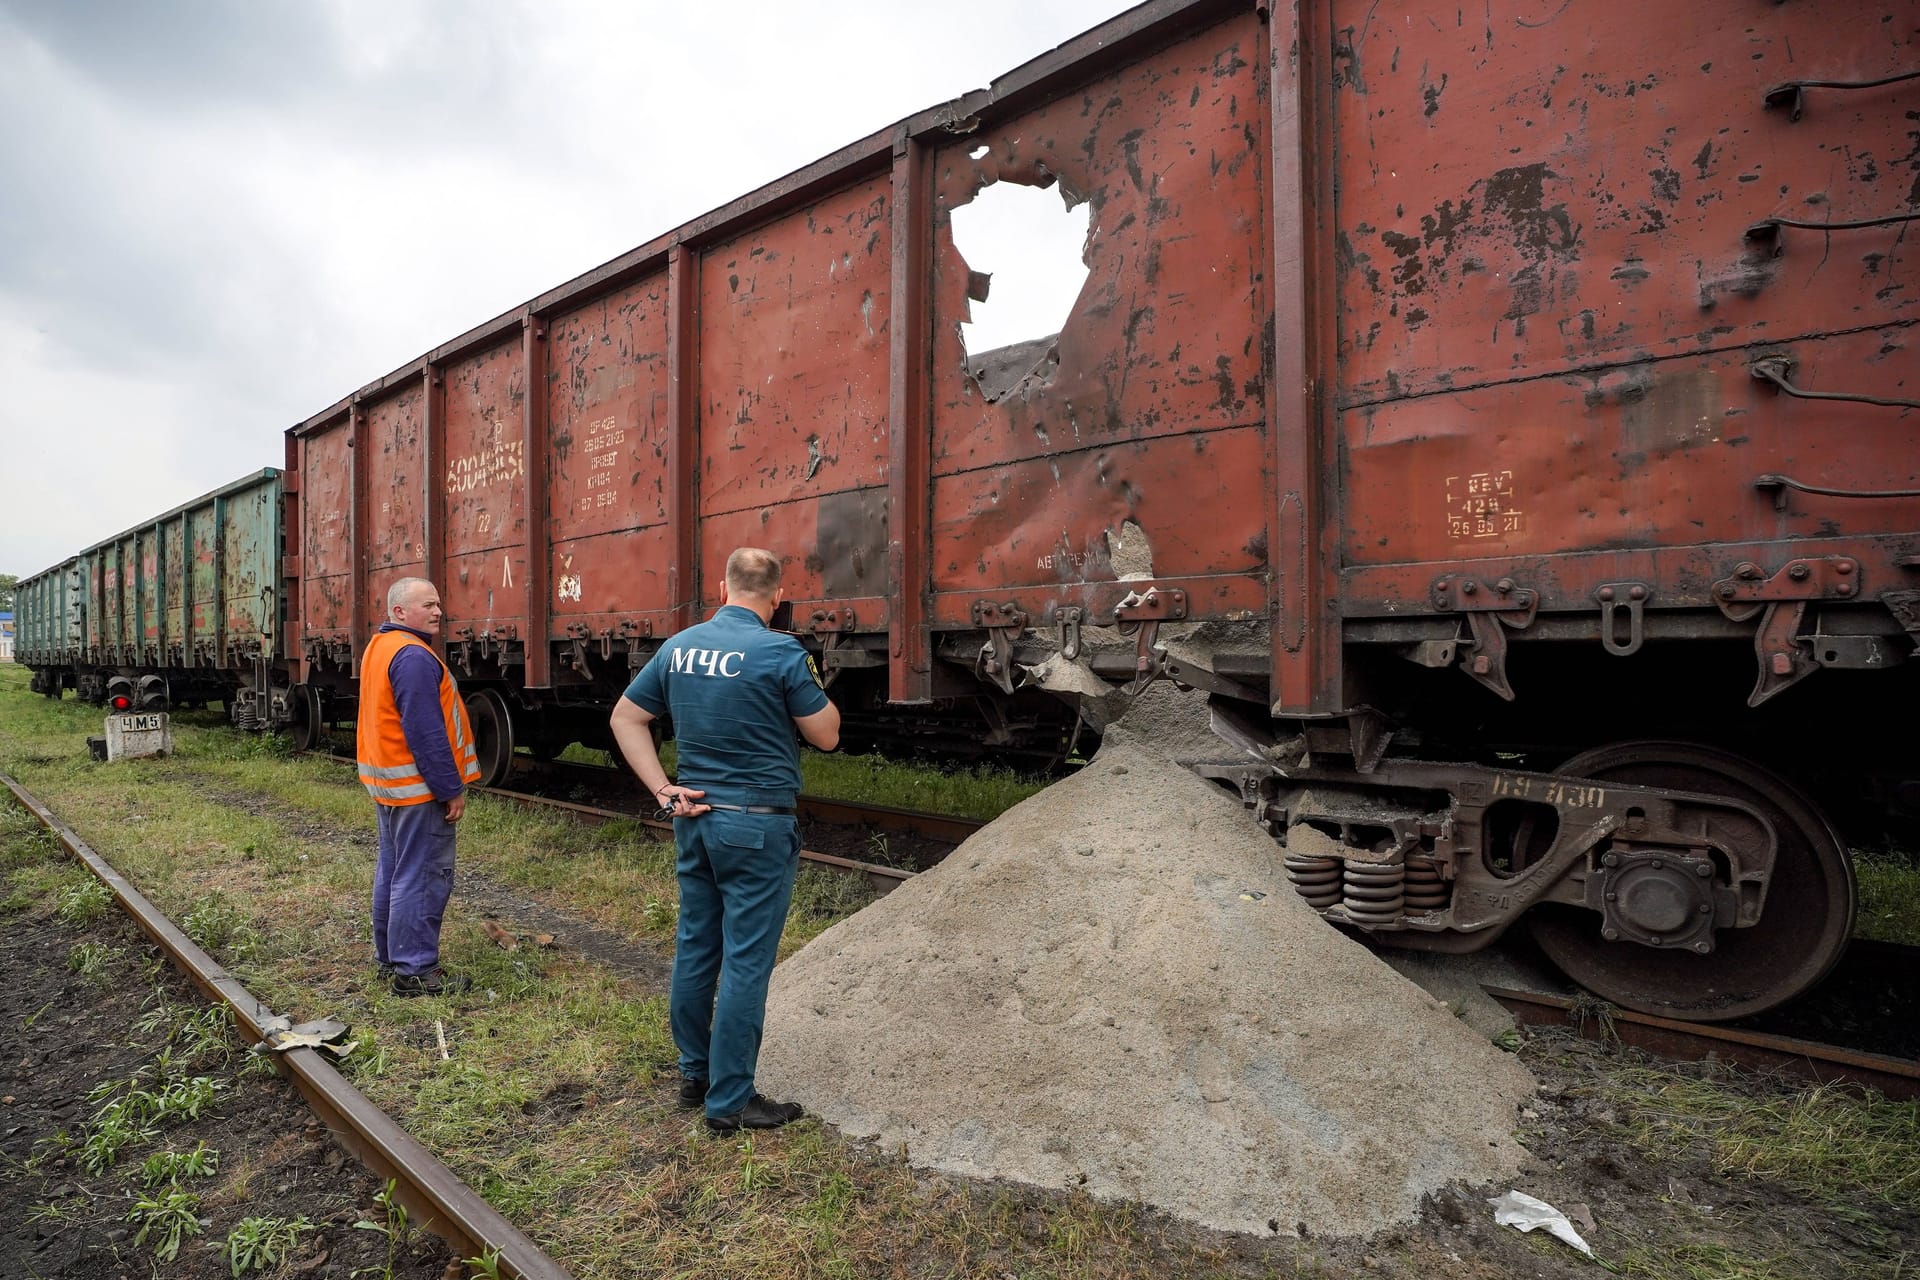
434	982
761	1112
692	1092
385	969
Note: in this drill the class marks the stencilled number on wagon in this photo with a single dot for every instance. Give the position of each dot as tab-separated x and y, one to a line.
1571	795
1481	504
499	461
602	434
600	441
1566	795
1507	784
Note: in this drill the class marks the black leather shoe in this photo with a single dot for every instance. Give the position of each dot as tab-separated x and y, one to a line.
692	1092
761	1112
434	982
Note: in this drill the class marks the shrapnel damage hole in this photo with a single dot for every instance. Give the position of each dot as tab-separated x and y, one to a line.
1032	251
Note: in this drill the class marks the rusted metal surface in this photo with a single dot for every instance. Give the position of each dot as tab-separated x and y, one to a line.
607	415
325	538
1304	504
483	582
435	1199
1553	318
1897	1078
909	644
1150	408
1661	453
1507	205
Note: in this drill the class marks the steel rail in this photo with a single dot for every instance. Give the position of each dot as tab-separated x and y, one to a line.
1691	1041
884	879
433	1196
933	826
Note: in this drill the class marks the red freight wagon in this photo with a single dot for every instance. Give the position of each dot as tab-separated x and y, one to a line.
1506	414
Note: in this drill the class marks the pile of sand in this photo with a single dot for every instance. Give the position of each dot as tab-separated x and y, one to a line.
1114	988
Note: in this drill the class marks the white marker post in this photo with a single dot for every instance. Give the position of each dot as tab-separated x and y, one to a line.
147	733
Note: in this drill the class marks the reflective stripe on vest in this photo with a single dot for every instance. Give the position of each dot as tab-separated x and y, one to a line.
387	767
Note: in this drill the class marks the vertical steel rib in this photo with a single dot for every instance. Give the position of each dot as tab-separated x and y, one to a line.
433	1196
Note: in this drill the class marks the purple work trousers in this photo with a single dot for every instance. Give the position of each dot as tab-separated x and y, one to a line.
412	881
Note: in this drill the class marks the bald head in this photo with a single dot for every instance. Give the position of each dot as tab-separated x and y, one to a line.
753	576
415	603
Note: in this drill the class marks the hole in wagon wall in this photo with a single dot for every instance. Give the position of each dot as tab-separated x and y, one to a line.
1025	250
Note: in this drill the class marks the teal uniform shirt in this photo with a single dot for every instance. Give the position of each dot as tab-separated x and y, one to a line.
733	689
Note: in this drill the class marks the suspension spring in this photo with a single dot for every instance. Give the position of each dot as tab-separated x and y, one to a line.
1315	879
1375	892
1426	891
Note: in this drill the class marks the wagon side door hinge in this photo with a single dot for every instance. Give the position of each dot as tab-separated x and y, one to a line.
1780	600
1490	609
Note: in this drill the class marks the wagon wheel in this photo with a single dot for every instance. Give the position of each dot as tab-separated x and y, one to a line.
308	728
1801	932
492	735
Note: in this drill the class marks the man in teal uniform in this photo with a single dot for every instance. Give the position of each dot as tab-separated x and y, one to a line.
736	692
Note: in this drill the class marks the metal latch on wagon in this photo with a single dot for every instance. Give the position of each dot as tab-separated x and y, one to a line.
1780	599
1142	612
579	634
832	625
1004	621
1490	608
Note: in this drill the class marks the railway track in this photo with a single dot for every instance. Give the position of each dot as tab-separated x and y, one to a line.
936	832
434	1198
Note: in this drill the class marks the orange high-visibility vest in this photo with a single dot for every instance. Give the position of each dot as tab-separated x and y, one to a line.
387	767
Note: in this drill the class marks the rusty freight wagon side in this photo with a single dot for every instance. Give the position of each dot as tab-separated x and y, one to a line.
184	607
1505	416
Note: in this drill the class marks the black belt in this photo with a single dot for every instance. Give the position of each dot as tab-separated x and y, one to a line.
784	811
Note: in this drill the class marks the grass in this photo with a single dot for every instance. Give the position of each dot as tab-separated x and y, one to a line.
1889	896
983	792
1828	1143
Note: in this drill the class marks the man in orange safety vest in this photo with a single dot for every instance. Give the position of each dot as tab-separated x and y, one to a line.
416	758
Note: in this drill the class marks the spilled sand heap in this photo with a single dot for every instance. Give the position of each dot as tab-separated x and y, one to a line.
1114	988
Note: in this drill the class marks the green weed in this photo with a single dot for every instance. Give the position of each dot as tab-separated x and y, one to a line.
394	1226
260	1244
84	903
174	1166
220	928
89	960
169	1218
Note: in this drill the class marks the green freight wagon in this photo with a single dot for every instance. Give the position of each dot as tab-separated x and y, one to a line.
180	610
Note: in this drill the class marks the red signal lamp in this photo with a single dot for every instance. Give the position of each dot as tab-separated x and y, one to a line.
120	693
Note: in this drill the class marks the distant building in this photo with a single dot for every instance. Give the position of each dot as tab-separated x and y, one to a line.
6	637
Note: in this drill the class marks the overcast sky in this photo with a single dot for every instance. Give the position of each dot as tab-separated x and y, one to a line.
218	218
